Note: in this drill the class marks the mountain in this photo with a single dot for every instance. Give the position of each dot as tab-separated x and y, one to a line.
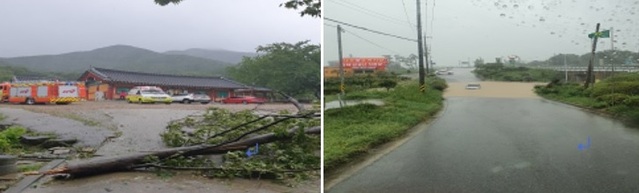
221	55
121	57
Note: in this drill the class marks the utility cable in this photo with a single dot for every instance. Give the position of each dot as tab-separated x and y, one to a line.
370	30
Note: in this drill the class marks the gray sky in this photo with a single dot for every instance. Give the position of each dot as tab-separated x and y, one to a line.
34	27
470	29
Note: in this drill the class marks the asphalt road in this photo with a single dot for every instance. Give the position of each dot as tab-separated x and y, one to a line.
484	144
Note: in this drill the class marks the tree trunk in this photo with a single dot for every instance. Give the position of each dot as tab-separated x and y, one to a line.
126	162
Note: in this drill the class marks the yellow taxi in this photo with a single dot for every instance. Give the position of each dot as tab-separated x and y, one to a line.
148	94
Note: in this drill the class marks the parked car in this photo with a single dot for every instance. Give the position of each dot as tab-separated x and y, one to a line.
148	94
188	98
244	100
473	87
444	72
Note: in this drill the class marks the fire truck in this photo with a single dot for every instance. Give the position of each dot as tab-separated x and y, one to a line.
54	92
4	92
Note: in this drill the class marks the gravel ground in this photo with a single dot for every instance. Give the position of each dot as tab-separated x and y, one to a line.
138	127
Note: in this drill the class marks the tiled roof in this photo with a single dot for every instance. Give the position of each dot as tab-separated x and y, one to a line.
139	78
29	79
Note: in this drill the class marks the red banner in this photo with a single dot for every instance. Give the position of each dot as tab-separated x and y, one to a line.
365	63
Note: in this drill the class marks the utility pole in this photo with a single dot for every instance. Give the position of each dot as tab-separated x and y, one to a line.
565	69
589	78
426	60
341	65
420	49
612	47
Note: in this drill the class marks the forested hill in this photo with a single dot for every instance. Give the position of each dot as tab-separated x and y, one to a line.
120	57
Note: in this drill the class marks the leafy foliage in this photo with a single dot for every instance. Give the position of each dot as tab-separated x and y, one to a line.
287	160
437	83
499	72
312	8
360	82
291	68
10	138
388	84
618	95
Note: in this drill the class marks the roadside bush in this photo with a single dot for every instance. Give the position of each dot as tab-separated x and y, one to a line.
10	138
388	84
613	99
437	83
632	101
625	87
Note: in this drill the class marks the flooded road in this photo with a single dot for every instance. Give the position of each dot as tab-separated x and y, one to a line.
507	144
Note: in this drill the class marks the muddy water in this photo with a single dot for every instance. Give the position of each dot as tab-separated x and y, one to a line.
493	90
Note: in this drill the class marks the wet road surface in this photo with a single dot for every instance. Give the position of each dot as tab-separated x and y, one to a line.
485	144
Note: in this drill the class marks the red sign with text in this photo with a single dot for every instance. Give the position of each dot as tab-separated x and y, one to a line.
365	63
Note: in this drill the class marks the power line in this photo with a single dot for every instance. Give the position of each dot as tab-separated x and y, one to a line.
432	18
371	42
326	24
406	13
371	12
370	30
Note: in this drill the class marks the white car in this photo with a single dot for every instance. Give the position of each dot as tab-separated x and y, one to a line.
473	87
187	98
442	72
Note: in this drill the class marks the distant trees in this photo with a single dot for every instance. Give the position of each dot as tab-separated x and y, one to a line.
616	57
291	68
312	8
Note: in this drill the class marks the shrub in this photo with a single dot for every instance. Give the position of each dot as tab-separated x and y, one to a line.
624	87
10	138
632	101
437	83
388	84
613	99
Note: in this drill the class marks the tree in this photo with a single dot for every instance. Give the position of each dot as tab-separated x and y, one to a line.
479	62
291	68
312	8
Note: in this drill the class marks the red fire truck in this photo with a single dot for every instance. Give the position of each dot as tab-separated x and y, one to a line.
46	92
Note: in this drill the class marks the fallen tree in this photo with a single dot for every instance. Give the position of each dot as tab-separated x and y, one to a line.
120	163
287	143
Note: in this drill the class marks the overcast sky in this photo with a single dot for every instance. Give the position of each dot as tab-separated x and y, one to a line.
470	29
34	27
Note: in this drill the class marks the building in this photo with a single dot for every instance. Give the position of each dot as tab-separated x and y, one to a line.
110	84
357	66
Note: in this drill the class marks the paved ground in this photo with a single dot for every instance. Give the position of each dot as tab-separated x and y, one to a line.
507	144
139	127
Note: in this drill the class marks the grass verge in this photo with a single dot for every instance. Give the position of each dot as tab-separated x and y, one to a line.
353	130
618	97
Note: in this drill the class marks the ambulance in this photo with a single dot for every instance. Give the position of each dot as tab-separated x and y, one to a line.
44	92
